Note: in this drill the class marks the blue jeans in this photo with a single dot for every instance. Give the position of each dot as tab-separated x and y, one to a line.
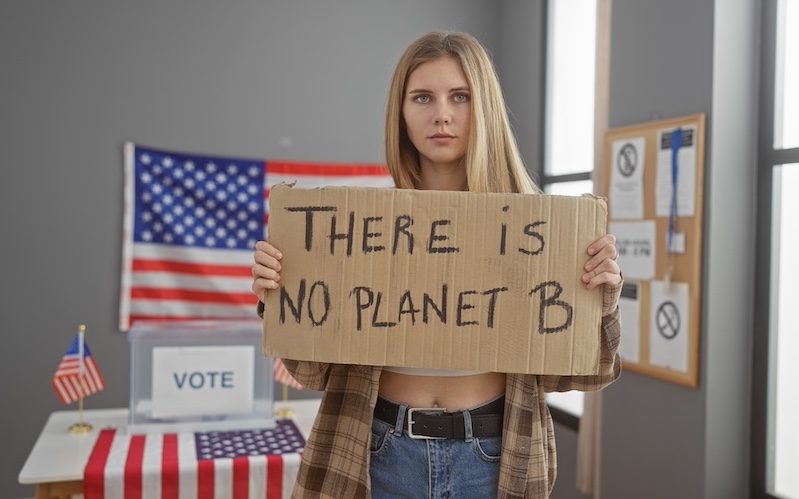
418	469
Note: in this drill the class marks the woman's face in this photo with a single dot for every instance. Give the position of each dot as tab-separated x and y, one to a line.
437	111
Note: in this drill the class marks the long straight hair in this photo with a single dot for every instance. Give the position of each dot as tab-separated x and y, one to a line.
493	162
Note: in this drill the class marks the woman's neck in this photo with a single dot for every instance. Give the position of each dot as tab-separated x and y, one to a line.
437	177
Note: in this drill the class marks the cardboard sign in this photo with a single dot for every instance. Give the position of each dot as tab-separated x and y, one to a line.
436	279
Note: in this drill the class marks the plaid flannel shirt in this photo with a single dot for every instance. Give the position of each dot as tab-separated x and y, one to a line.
335	463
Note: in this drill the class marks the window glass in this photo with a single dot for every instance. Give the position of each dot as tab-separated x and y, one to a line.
786	115
570	86
576	188
571	89
571	402
785	336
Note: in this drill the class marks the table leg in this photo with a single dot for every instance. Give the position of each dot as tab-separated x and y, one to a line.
59	490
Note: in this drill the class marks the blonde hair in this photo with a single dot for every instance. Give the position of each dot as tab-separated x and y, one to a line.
493	162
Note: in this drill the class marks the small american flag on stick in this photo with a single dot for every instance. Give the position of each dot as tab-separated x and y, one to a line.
77	375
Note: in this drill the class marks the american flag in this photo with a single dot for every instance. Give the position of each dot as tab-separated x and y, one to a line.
77	376
260	463
191	224
282	375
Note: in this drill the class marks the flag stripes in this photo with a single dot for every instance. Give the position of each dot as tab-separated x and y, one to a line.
166	466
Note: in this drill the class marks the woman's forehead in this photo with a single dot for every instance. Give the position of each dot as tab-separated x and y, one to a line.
444	71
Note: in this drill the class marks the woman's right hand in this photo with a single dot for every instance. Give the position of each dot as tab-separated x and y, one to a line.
266	270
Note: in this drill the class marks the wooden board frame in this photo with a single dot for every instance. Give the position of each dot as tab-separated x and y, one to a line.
687	266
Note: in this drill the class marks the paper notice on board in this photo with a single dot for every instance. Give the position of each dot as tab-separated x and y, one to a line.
627	179
684	169
668	325
630	308
635	242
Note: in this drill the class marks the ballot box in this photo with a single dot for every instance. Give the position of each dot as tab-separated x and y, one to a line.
199	376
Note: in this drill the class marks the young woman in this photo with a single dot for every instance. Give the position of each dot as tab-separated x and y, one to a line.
446	129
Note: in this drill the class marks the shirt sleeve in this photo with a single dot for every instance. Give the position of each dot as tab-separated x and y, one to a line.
609	359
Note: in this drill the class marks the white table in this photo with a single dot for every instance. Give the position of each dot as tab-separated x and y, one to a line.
58	458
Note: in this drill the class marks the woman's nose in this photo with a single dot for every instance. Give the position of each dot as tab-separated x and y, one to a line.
443	114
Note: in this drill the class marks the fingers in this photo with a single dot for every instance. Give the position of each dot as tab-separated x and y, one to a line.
602	268
606	273
266	269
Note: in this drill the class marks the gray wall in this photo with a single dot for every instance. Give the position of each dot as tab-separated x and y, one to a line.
669	59
79	79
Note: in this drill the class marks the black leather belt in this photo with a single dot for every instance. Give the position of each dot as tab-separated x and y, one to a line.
436	423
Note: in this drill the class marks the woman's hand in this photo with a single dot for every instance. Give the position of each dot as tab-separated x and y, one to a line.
266	270
602	267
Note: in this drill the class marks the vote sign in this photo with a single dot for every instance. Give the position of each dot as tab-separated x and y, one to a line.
202	380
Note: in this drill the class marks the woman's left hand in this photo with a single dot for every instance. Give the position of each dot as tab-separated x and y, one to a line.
602	267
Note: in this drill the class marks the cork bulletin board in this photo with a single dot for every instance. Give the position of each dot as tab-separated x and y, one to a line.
653	178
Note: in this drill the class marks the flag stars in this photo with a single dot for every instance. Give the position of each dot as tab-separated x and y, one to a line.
199	202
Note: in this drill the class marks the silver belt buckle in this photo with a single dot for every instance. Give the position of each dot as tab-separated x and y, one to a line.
411	422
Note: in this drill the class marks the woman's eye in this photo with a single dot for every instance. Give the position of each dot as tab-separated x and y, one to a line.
460	98
422	99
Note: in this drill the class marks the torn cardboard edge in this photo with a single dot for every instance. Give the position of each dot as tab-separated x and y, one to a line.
435	279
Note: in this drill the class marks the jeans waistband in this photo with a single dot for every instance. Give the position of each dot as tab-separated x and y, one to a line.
486	420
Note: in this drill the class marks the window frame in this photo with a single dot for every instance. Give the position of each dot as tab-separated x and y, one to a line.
768	158
601	93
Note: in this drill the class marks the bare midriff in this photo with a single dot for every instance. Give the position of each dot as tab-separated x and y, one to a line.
450	392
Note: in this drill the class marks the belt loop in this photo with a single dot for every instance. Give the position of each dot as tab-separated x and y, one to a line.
399	425
467	425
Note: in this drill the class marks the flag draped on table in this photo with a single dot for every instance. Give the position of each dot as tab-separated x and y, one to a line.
77	376
259	463
191	224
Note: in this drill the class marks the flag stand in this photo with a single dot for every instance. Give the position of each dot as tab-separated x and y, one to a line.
285	412
80	428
